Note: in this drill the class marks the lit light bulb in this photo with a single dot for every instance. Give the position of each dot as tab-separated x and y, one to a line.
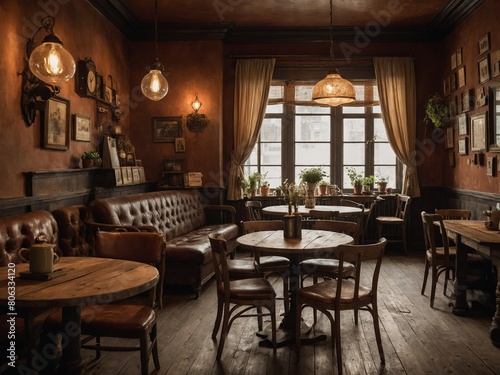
53	62
154	85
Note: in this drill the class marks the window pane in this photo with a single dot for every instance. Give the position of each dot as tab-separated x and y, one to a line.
346	182
270	153
325	167
273	175
360	92
274	108
353	109
303	93
276	92
389	173
379	130
271	130
309	154
252	160
376	109
312	128
354	153
383	154
354	130
311	109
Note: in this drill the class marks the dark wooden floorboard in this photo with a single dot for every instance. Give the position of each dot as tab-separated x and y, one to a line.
416	339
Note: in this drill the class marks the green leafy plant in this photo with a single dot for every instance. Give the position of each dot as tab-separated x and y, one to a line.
326	183
312	175
355	177
257	179
368	180
436	111
91	154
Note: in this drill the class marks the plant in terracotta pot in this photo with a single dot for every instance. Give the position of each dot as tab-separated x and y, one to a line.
311	176
322	187
254	181
367	183
264	189
356	179
382	184
90	159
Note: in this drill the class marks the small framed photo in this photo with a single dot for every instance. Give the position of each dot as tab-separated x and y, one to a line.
495	63
453	82
108	94
453	61
462	124
451	158
81	128
484	69
166	129
446	86
490	165
452	107
56	124
465	101
449	137
478	130
461	76
480	97
484	44
136	177
459	56
180	145
462	146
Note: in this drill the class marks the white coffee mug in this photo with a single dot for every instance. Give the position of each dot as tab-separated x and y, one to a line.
41	258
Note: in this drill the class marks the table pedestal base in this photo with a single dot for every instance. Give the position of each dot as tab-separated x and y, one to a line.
284	337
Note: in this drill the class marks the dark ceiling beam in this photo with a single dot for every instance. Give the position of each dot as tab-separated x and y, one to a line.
453	14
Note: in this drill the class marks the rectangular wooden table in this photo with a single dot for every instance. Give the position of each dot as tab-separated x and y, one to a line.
473	234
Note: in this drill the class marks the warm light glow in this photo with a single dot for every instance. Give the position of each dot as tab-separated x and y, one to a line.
154	85
51	63
196	104
333	90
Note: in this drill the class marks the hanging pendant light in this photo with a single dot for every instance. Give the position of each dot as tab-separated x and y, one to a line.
154	85
333	90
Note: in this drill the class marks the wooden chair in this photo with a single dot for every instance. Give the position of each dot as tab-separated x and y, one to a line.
398	221
243	295
254	210
117	320
453	213
358	218
270	264
440	259
346	294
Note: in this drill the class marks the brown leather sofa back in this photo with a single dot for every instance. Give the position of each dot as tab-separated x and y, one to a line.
22	230
72	231
173	213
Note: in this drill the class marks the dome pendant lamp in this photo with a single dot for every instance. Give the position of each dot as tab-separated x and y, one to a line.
154	85
333	90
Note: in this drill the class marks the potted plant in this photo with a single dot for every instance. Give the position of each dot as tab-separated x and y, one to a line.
254	180
356	180
311	176
367	183
264	189
90	159
436	111
322	187
382	184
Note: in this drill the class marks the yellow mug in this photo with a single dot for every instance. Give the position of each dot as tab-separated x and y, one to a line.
41	258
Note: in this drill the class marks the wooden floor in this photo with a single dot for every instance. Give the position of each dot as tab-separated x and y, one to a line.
416	338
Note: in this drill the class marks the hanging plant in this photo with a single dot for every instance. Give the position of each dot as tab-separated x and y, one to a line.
436	111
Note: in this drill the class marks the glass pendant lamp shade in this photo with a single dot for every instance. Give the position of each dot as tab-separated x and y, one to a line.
154	85
51	63
333	90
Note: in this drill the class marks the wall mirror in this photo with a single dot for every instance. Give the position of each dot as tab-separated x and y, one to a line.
494	117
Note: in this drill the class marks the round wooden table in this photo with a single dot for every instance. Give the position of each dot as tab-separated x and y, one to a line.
273	242
283	210
81	281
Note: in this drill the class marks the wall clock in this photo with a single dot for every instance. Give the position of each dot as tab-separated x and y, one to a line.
86	79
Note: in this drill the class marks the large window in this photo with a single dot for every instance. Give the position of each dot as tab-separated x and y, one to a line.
296	134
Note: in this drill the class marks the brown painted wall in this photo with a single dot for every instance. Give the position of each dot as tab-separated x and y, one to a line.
84	33
466	36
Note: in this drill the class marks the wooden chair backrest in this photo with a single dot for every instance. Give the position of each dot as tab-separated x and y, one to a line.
219	256
433	227
453	213
321	214
402	206
348	227
258	226
254	210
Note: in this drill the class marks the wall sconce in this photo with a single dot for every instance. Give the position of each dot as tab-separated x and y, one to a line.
48	64
196	122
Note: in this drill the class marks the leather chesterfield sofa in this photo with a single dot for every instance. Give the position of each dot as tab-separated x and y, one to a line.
184	222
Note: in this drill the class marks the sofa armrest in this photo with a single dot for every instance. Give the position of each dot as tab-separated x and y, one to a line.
220	214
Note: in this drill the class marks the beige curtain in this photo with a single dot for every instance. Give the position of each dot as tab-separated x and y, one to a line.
251	91
396	86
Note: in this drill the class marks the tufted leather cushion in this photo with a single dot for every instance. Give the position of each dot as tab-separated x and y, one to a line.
72	231
18	231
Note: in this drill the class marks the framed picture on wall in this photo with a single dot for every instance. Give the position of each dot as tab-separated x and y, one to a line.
451	158
166	129
462	146
449	137
484	69
81	128
461	76
180	145
462	124
478	132
484	44
56	124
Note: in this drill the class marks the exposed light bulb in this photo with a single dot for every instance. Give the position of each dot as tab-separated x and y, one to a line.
154	85
53	62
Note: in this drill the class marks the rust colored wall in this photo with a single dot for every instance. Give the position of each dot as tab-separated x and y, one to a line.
466	36
84	33
192	67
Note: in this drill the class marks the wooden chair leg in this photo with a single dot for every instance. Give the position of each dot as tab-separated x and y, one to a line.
220	307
